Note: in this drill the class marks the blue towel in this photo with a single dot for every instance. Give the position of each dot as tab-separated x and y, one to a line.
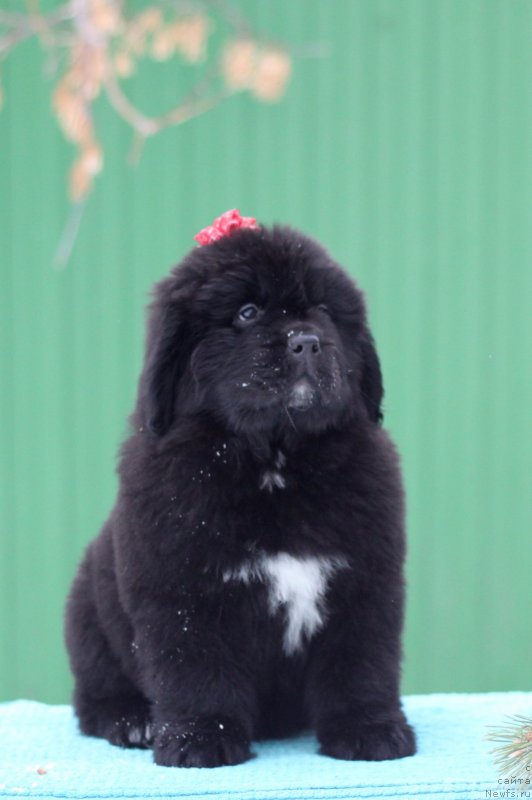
43	755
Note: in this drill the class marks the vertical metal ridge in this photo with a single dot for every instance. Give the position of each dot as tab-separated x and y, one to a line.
410	362
9	528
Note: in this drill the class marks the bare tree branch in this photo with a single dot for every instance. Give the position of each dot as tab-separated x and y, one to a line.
24	26
95	45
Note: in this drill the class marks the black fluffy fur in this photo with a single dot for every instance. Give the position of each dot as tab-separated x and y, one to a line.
166	651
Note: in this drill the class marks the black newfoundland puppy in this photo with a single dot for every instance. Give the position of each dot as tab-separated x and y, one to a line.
249	581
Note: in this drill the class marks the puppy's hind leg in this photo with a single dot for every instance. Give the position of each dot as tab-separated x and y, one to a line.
106	702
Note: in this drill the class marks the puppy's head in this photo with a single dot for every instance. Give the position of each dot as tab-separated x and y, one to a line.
264	332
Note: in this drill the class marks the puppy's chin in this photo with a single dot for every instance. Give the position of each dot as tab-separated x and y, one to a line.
303	409
302	395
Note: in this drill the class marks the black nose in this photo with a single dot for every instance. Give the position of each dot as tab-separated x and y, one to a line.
302	345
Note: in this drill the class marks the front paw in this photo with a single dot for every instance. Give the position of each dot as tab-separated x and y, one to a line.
201	742
368	741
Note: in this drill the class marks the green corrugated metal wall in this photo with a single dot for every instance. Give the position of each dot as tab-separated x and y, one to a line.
408	151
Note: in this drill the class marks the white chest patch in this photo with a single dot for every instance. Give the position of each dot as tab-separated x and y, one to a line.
297	585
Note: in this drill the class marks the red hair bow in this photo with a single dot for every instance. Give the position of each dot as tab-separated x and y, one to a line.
223	225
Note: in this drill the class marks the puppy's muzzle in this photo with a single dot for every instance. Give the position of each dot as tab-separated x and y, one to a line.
303	350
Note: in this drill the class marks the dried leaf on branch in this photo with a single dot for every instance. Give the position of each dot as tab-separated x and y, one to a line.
98	44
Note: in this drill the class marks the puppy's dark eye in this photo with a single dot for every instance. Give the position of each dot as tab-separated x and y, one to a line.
323	308
248	313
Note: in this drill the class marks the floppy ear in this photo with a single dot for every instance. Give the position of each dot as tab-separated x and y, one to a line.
371	387
165	362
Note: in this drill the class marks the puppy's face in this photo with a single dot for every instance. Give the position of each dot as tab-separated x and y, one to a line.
265	333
